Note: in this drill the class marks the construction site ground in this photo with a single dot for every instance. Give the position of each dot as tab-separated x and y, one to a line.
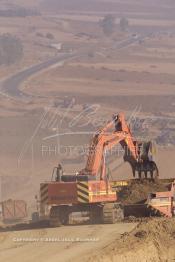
153	240
134	239
90	238
147	240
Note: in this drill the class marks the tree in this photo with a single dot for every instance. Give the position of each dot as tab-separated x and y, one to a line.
11	49
108	24
124	24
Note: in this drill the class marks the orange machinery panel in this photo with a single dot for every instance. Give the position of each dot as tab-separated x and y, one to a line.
100	191
63	193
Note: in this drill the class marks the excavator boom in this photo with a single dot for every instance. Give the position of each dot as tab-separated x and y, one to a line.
121	134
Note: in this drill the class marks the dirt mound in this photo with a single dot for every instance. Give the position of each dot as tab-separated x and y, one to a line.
137	191
149	241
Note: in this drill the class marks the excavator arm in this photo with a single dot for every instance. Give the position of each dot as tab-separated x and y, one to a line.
106	139
137	153
100	144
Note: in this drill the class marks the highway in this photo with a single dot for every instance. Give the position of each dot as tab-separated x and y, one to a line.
10	86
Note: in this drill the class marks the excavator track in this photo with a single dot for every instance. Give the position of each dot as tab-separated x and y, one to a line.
112	213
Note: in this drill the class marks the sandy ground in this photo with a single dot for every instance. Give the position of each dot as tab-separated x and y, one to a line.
97	237
151	241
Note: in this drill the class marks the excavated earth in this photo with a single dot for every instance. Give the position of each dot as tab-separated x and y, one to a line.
153	240
137	191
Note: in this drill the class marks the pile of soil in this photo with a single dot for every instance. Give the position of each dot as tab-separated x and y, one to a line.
137	191
153	240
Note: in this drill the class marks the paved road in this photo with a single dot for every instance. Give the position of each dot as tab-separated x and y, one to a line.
10	86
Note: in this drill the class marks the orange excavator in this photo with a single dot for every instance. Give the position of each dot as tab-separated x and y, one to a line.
137	153
90	189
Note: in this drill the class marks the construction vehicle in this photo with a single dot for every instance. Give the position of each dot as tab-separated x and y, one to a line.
90	189
163	203
160	203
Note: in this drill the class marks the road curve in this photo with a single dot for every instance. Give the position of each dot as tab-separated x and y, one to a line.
10	86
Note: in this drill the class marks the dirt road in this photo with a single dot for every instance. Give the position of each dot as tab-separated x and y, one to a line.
66	248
